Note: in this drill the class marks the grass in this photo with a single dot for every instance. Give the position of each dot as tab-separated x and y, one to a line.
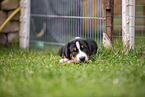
113	73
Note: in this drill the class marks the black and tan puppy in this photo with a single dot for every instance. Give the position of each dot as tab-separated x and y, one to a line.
78	50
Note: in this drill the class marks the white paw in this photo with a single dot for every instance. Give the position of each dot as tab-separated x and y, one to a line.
63	60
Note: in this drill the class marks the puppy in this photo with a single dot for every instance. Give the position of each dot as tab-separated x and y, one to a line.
78	50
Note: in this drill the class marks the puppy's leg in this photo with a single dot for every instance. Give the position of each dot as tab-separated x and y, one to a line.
63	60
71	61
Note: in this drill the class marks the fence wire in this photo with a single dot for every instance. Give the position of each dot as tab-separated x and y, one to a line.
57	21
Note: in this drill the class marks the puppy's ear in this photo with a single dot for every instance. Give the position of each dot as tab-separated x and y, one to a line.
67	51
92	45
60	51
64	51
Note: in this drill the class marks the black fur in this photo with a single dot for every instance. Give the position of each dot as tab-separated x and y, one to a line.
90	47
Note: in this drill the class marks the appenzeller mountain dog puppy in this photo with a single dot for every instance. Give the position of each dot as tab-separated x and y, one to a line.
78	50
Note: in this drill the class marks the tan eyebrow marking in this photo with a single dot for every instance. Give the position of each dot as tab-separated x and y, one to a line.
82	46
75	49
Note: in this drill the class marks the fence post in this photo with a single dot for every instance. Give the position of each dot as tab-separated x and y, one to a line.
132	23
108	34
24	23
128	23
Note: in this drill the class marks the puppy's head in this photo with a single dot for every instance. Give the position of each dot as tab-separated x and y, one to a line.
78	49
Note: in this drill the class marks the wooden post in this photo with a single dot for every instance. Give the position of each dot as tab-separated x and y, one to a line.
128	24
24	24
108	34
132	23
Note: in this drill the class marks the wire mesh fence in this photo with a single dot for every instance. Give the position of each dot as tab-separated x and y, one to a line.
57	21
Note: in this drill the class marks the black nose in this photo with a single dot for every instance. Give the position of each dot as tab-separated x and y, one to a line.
82	58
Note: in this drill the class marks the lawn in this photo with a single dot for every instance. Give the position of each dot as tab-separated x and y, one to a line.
38	73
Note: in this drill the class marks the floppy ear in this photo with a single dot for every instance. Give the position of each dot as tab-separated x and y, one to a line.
92	46
64	51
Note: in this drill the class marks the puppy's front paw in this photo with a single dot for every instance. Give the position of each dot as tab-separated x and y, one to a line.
63	60
71	61
89	61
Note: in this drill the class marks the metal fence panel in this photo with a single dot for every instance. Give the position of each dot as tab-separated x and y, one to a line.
57	21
